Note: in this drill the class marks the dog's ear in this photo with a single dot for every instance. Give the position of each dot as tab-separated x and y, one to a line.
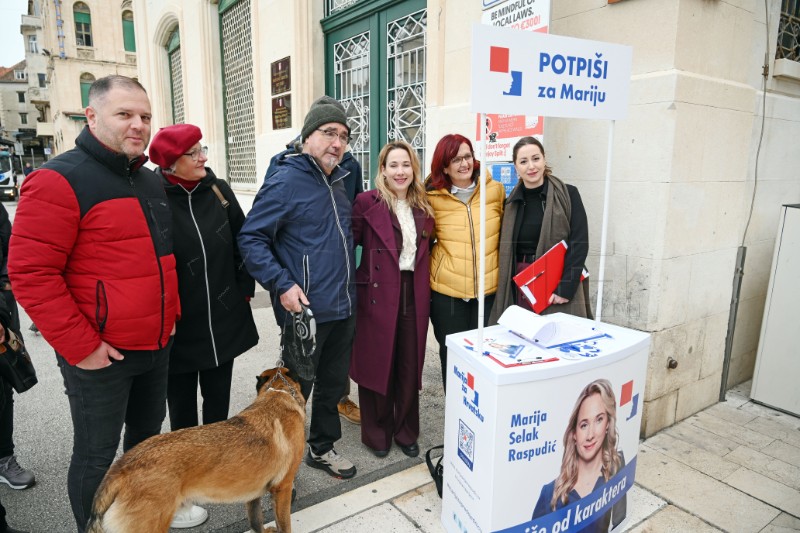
260	380
292	375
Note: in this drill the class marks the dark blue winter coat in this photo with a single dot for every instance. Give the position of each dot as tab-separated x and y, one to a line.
352	182
299	232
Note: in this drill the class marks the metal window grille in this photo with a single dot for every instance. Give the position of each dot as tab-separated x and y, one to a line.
176	83
789	31
337	5
351	81
405	84
237	73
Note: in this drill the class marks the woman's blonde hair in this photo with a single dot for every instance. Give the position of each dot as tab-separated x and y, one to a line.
416	196
568	477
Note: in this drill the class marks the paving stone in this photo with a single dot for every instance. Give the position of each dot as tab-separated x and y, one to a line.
767	465
777	428
701	438
642	504
699	494
783	451
768	412
726	411
737	398
350	504
765	489
692	455
384	518
672	519
784	523
424	507
730	431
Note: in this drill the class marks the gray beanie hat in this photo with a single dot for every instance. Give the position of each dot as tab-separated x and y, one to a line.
320	114
325	99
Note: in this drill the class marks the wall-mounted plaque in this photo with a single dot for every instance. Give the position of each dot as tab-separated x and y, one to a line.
282	112
281	76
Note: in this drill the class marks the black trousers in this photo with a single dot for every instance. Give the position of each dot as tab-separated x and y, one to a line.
130	393
215	388
332	363
6	391
452	315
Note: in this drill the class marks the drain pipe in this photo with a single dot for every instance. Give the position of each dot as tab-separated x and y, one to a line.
737	288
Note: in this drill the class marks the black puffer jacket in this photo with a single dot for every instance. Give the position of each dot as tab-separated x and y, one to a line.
217	322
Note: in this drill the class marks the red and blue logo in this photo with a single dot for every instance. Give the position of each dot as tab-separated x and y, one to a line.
627	397
499	61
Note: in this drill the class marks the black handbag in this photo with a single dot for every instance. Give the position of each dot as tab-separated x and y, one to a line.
15	363
436	469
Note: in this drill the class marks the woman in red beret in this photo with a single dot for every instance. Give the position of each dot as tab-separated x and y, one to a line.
216	322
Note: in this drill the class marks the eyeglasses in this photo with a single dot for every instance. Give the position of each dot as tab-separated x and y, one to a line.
330	135
195	154
457	160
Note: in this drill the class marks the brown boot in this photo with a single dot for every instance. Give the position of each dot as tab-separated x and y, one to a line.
349	410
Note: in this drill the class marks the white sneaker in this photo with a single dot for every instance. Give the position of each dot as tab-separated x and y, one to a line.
189	515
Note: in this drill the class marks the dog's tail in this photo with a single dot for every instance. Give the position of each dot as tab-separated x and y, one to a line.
103	498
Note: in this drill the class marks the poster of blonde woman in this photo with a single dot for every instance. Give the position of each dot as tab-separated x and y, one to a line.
590	459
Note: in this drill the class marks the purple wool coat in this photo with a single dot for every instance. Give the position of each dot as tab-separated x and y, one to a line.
377	230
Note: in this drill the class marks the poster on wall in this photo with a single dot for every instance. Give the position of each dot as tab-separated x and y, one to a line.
503	131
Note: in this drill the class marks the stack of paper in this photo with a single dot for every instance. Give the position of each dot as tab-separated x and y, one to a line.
546	331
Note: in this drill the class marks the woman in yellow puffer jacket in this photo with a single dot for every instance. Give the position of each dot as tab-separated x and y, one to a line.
452	189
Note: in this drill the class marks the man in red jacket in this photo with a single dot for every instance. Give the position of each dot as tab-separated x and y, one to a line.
91	262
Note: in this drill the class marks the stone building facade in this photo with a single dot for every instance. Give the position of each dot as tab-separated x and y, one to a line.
83	41
711	131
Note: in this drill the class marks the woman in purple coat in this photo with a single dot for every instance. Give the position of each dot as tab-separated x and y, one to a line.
393	223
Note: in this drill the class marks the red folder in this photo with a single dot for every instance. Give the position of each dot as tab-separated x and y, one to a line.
540	280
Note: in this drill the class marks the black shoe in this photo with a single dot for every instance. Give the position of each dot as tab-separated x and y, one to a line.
412	450
380	453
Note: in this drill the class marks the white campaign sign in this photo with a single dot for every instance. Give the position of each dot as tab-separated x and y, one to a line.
529	73
529	15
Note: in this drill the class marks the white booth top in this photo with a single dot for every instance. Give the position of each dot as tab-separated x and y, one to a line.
563	344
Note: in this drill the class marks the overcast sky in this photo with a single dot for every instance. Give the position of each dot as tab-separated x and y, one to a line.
12	49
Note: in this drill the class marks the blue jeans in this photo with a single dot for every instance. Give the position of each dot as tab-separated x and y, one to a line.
132	392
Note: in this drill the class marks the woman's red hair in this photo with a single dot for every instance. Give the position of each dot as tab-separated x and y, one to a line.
446	149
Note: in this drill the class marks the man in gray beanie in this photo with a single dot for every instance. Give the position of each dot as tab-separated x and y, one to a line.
297	242
353	184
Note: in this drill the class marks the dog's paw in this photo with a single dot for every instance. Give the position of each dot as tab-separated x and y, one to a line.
270	529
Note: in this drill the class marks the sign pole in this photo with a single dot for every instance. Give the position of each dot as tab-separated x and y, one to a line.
604	231
482	247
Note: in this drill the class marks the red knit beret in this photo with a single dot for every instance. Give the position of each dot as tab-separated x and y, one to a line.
172	142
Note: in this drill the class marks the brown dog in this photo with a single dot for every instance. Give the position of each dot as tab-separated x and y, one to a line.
238	460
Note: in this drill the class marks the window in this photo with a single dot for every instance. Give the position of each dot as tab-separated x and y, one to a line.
789	31
86	81
23	118
175	76
33	46
42	80
83	24
20	75
21	97
128	39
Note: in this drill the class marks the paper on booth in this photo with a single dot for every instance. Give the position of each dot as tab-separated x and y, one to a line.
544	331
